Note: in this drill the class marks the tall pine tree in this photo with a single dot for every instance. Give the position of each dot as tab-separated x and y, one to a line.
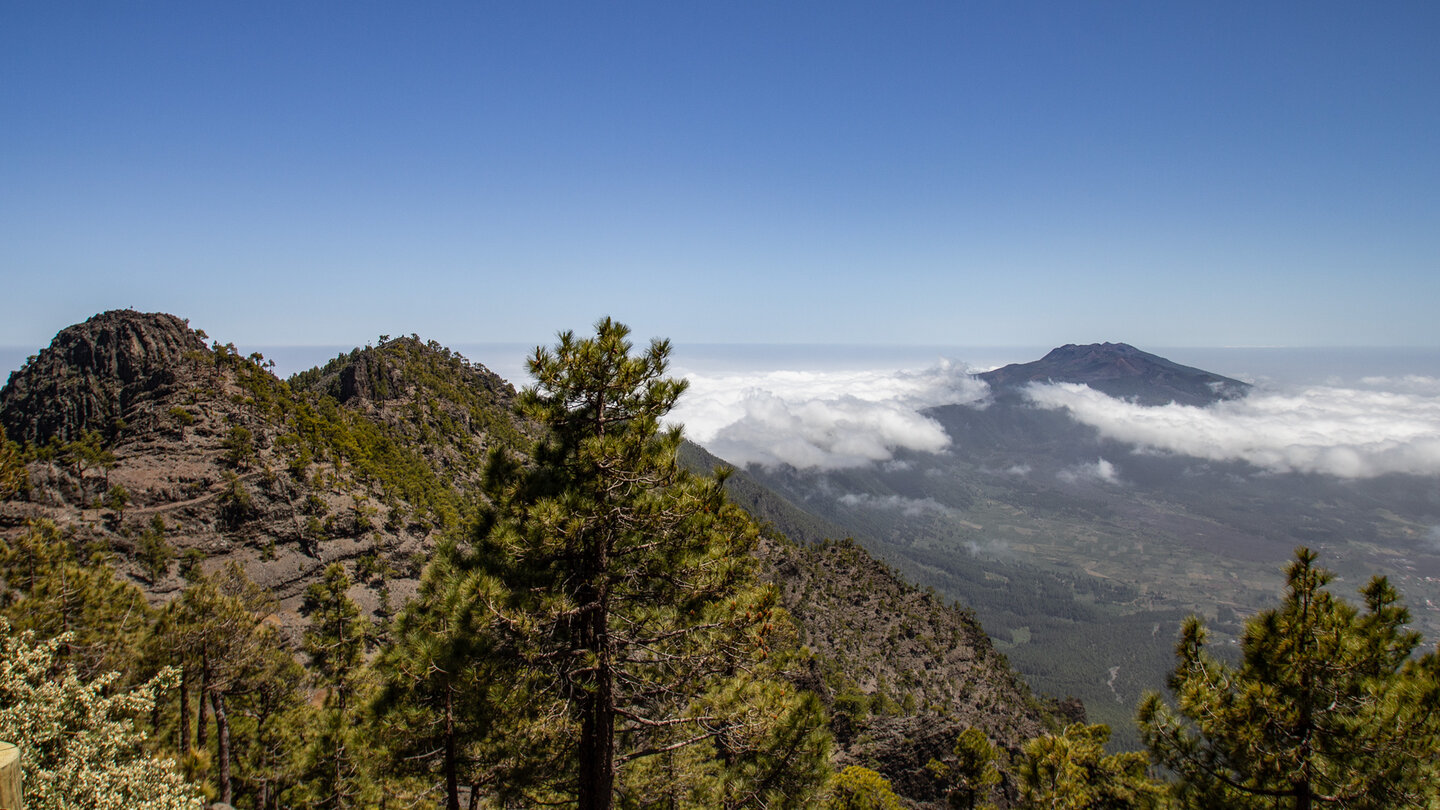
621	591
218	636
441	697
336	640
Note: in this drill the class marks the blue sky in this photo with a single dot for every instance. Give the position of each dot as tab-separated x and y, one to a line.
1165	174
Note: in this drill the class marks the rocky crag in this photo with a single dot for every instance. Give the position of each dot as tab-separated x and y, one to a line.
93	373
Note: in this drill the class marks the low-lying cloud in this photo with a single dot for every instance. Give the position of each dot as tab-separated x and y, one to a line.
1101	470
1387	426
910	507
823	420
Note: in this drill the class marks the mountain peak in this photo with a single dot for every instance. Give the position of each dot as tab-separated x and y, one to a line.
1120	370
1073	348
92	371
396	369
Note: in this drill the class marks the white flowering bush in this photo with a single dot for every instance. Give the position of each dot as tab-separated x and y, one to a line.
80	747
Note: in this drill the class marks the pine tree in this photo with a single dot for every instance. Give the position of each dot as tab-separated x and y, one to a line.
336	640
1070	771
86	453
441	694
263	710
623	593
969	774
117	497
153	552
272	718
239	445
219	634
1326	706
51	592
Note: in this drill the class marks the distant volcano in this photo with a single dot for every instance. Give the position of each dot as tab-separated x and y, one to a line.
1120	370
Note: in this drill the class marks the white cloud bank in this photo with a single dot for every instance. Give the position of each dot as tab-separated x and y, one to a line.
1346	432
822	419
833	419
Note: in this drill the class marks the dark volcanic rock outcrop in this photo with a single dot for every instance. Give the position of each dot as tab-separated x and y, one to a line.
93	372
1120	370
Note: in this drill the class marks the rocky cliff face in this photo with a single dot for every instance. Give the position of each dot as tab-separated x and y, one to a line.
93	373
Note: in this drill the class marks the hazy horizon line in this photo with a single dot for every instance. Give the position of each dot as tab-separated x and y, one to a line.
738	356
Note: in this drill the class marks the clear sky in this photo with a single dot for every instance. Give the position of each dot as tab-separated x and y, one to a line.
968	173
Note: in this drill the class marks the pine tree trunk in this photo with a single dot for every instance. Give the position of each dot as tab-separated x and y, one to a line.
201	721
185	676
597	748
597	721
452	777
222	735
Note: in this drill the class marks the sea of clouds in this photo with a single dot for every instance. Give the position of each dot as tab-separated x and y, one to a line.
834	419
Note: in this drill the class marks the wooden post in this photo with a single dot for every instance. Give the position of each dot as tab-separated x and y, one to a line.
10	796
